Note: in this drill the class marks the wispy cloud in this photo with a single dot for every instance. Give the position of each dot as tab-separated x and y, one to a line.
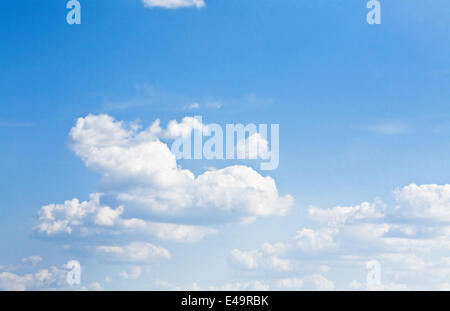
191	106
173	4
389	128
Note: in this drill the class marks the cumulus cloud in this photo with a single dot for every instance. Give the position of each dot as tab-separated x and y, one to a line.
141	172
50	278
253	147
57	218
184	128
410	241
132	274
91	217
430	202
266	257
315	240
13	282
344	214
173	4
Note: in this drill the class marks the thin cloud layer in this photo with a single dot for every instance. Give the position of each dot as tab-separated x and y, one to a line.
173	4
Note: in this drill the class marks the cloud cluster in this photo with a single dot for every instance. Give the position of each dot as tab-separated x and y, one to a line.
52	277
88	218
141	172
410	241
150	197
426	202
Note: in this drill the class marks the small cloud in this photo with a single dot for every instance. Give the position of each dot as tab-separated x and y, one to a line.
214	105
389	128
33	260
191	106
133	274
173	4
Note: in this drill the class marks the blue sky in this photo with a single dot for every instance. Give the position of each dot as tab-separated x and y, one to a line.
363	112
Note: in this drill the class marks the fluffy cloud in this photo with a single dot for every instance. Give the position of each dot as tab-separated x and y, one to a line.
184	128
173	4
253	147
52	277
141	172
150	197
411	242
33	260
12	282
133	273
57	218
311	240
431	202
345	214
91	217
266	257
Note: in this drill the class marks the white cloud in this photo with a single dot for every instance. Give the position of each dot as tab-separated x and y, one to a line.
410	242
52	277
344	214
173	4
142	173
244	286
320	282
133	273
13	282
134	252
88	218
315	240
315	281
191	106
431	202
94	286
355	285
184	128
33	260
267	257
291	283
253	147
